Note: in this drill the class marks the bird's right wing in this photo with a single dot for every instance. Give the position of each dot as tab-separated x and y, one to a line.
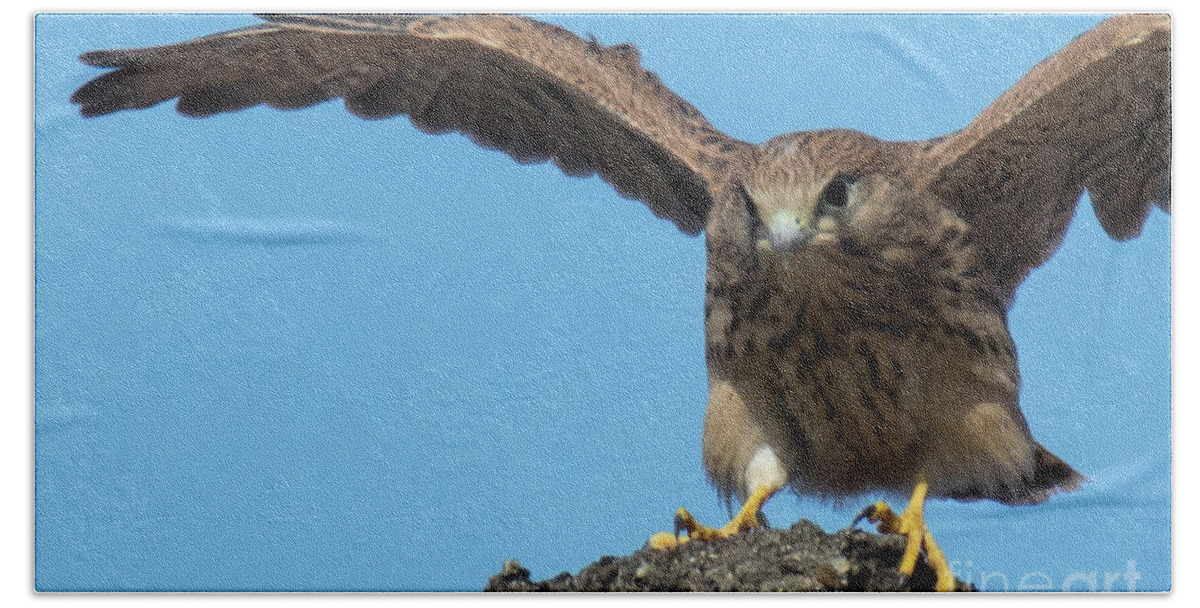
533	90
1096	115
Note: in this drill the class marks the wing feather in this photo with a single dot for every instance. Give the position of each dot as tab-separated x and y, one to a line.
1097	116
530	89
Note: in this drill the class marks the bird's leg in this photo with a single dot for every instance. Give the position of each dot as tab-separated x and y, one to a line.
748	518
911	523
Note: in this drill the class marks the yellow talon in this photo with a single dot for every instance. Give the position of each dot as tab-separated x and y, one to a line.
748	518
662	541
911	523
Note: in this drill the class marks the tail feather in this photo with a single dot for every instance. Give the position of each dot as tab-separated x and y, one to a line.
1050	476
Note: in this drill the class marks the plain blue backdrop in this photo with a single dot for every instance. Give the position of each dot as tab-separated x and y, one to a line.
303	351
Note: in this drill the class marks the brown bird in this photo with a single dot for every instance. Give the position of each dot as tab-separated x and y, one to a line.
857	289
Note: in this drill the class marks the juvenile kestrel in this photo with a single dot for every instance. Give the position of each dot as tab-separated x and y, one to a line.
857	289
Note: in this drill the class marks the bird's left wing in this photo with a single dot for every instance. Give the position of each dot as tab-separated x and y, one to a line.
533	90
1096	115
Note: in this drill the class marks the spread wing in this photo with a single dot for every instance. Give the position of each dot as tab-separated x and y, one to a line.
532	90
1095	115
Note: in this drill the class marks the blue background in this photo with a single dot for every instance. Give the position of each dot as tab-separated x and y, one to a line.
302	351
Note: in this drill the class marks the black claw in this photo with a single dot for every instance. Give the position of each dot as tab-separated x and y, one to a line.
866	514
762	520
679	525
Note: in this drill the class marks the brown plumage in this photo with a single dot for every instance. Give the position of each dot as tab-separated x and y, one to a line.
872	349
533	90
857	289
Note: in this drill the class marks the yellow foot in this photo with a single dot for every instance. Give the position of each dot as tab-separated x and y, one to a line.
748	518
911	523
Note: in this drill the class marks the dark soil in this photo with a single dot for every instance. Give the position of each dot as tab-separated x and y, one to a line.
802	558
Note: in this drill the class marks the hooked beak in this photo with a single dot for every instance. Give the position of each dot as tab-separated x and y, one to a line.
787	231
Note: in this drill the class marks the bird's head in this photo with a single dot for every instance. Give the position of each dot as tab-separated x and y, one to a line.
811	190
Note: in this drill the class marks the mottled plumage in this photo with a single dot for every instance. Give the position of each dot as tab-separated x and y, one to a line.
857	289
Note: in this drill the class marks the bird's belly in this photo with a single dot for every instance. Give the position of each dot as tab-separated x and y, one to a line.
853	410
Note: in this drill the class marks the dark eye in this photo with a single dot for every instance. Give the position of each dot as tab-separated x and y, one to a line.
836	194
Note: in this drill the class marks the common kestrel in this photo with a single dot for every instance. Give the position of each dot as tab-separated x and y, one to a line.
857	289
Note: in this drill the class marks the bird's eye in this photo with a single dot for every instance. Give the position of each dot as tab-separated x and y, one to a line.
836	194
